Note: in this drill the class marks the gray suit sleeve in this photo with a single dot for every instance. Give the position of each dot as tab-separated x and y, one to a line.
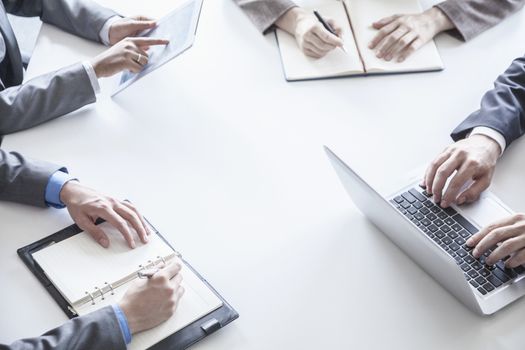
471	17
97	330
264	13
84	18
44	98
502	108
24	180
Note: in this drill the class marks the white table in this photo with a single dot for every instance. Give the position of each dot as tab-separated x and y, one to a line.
226	159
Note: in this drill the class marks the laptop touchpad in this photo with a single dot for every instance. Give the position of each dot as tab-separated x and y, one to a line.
485	211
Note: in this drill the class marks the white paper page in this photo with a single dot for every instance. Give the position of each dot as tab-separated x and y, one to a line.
298	66
364	12
197	301
79	264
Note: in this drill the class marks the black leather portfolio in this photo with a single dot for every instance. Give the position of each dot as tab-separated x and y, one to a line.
181	339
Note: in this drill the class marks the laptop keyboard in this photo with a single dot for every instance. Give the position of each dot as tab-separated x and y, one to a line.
450	230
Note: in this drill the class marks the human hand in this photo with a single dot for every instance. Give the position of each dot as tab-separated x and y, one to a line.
127	54
474	158
86	205
509	233
401	35
129	26
313	39
149	302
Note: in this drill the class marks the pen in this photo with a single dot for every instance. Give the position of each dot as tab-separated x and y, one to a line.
326	25
147	273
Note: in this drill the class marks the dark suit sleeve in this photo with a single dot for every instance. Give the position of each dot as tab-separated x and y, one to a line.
97	330
502	108
44	98
472	17
84	18
24	180
264	13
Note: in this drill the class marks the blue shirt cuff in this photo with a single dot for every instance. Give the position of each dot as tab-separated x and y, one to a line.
123	323
54	186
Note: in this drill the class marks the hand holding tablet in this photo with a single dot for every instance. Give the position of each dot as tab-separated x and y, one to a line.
177	33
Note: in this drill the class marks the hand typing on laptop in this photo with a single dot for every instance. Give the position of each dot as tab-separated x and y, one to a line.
474	160
469	160
311	36
86	205
507	235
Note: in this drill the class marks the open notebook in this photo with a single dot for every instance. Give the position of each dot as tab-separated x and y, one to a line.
90	277
356	18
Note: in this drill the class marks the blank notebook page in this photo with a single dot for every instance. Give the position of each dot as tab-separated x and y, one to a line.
364	12
298	66
79	264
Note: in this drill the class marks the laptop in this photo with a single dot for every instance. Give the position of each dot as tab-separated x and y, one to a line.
434	238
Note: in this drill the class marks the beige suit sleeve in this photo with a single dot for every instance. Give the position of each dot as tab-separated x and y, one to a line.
264	13
472	17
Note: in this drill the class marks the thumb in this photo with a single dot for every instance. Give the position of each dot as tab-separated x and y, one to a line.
142	18
138	25
94	231
472	193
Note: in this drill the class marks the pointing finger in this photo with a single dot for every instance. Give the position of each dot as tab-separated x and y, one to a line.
149	41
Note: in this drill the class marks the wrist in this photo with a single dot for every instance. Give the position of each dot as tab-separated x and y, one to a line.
289	20
492	147
96	67
68	192
132	322
439	21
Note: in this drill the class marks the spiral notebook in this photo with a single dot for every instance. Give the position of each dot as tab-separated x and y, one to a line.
89	277
355	18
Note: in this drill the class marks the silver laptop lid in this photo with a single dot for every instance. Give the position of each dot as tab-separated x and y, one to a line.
406	236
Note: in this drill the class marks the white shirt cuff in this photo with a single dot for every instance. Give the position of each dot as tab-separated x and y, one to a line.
104	32
92	76
493	134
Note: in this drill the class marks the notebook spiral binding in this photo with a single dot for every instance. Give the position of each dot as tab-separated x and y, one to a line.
109	288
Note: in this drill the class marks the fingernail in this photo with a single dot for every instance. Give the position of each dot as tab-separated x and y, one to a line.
146	238
461	200
133	245
104	242
444	204
475	253
400	59
470	241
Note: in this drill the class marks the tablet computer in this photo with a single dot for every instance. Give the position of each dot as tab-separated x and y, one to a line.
179	27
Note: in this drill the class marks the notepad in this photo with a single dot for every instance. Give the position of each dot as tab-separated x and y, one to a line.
355	18
90	277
